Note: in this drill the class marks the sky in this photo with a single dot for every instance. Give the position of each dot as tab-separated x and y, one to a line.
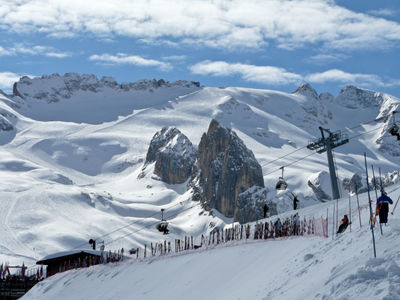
267	44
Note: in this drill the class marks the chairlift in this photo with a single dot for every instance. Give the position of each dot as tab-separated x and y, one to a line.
281	184
163	225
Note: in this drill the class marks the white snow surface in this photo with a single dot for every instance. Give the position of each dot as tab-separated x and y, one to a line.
342	267
70	163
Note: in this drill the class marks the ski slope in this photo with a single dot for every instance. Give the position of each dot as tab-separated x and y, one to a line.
69	167
342	267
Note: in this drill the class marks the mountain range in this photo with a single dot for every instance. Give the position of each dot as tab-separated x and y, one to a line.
74	155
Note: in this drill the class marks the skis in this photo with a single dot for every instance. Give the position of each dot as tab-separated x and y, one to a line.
370	206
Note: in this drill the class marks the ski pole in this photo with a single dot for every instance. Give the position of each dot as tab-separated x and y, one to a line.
395	205
376	194
370	206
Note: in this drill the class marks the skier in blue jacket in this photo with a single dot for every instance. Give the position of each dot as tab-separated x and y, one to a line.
382	207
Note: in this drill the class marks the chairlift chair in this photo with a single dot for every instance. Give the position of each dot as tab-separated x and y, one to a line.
281	184
163	225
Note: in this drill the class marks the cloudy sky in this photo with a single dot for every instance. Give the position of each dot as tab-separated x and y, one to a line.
269	44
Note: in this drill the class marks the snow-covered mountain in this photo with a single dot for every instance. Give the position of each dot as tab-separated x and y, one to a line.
73	152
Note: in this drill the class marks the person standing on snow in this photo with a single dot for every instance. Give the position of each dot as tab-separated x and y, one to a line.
382	207
296	223
295	202
266	209
278	228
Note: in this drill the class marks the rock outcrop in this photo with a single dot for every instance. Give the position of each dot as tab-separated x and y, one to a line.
53	88
173	154
320	184
251	205
227	170
354	183
355	98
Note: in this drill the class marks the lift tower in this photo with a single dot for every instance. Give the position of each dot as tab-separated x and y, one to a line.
327	144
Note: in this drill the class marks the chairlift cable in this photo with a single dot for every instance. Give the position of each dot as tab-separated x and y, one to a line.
149	225
129	224
304	157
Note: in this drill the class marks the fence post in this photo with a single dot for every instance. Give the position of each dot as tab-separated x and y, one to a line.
358	204
350	210
333	221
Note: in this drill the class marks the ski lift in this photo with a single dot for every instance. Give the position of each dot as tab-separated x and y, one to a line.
281	184
394	128
163	225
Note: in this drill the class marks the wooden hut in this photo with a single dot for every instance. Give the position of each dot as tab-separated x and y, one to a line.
67	260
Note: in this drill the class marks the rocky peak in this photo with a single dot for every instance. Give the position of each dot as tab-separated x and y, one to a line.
227	169
353	97
307	90
52	88
173	154
326	97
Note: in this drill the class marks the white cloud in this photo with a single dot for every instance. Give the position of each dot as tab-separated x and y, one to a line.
7	80
335	75
26	49
175	57
222	24
383	12
367	80
262	74
280	76
325	58
122	58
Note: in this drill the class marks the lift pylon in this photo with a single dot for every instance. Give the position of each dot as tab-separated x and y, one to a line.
327	144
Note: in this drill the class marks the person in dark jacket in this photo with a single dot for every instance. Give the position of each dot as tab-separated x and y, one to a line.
343	226
382	207
295	202
266	209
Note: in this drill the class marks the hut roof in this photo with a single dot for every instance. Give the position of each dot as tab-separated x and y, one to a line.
65	255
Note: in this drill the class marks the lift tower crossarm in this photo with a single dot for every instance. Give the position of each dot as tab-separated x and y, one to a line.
327	144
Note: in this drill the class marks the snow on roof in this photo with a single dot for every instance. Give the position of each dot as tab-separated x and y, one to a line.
68	253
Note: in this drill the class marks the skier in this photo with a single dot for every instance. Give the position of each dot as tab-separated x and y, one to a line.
278	228
296	221
295	202
382	207
343	226
266	209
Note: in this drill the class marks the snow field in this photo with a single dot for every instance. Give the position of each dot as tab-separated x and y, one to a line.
291	268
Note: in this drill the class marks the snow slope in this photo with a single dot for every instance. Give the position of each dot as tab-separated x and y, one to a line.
75	146
342	267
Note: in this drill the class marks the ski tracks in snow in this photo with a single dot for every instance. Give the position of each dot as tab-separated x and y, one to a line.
8	238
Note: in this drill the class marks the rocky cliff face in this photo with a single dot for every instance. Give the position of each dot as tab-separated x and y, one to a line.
227	169
353	97
320	184
53	88
354	184
173	154
251	205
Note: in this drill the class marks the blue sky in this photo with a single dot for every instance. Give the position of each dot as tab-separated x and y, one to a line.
269	44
